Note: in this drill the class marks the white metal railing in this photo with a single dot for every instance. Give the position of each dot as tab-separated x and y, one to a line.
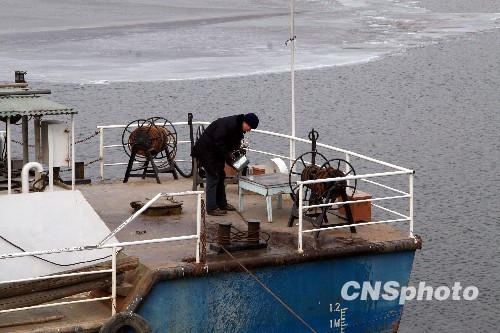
291	139
114	246
403	195
394	170
2	143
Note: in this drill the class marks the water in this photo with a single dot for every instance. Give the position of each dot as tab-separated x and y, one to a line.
412	83
133	40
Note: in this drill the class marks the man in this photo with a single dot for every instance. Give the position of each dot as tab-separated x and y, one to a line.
213	149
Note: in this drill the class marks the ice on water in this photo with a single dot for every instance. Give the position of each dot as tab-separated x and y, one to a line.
137	40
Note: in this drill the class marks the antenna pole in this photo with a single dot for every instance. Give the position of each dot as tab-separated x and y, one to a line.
292	62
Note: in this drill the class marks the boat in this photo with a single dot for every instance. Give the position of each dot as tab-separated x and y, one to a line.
315	245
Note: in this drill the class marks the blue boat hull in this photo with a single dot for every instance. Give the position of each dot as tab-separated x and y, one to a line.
235	302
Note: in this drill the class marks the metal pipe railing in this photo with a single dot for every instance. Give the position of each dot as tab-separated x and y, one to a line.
113	282
56	304
114	246
290	138
383	186
146	206
340	150
112	297
404	218
48	277
410	189
357	224
341	203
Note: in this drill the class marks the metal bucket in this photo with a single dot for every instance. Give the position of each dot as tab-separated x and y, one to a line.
240	163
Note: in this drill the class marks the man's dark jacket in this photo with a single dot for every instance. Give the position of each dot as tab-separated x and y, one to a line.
219	139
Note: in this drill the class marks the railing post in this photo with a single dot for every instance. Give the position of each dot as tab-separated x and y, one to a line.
410	190
101	150
347	158
301	197
113	282
198	228
9	162
73	152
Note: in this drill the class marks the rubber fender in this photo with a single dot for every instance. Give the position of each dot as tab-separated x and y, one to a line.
124	319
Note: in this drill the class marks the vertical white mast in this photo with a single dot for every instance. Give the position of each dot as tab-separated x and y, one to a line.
292	62
9	163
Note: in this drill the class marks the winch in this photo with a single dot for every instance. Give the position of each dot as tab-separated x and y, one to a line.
315	166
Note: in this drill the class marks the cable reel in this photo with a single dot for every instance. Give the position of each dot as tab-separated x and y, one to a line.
156	135
334	169
315	166
150	142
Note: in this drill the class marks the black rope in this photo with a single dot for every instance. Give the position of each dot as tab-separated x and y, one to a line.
191	139
86	164
185	175
87	138
240	236
51	262
43	179
290	40
22	144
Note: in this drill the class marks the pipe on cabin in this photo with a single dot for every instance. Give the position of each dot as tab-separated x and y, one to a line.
25	172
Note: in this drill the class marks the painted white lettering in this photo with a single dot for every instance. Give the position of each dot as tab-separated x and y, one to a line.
345	289
427	289
407	293
468	296
391	290
456	289
441	293
368	289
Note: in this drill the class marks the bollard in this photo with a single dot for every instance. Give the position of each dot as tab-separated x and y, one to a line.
253	231
224	233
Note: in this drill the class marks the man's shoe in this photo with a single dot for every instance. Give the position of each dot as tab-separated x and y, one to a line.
230	208
216	212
